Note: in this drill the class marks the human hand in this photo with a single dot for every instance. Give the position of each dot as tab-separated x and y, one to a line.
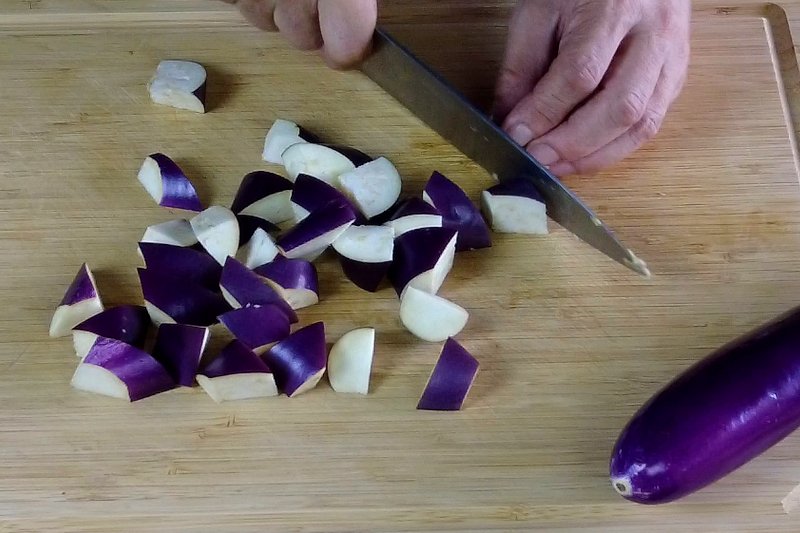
341	30
584	83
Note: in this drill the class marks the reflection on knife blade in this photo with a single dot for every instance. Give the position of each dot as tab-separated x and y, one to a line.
448	113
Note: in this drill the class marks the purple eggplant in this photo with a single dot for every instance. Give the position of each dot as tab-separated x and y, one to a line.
80	302
217	229
422	259
719	414
116	369
373	187
316	232
325	162
176	300
299	361
167	184
179	348
179	84
237	374
242	287
126	323
412	214
295	279
175	232
365	253
515	206
451	379
186	263
458	213
264	195
311	194
257	326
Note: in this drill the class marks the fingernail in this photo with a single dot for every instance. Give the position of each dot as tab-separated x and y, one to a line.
521	134
544	154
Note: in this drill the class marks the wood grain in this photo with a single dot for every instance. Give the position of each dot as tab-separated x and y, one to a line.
570	343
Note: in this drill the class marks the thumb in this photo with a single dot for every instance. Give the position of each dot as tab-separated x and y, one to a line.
530	48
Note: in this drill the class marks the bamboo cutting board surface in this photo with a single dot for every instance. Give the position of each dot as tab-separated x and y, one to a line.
570	343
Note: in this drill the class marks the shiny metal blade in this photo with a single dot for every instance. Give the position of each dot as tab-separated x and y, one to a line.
447	112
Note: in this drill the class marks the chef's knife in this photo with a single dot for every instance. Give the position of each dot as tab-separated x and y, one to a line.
446	111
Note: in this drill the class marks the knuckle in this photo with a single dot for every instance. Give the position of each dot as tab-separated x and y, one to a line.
670	17
629	109
585	74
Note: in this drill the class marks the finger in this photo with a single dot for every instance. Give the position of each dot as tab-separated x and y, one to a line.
347	27
526	60
667	90
585	53
259	13
613	110
298	21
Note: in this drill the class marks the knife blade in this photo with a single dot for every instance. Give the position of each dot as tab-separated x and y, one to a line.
426	94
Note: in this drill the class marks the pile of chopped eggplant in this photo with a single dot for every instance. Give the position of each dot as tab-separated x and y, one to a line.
250	268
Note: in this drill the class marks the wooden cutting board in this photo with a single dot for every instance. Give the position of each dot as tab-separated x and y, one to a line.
570	343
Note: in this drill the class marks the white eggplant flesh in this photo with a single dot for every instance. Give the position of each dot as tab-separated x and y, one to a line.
431	317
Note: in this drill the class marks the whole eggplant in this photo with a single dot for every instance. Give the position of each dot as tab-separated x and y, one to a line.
719	414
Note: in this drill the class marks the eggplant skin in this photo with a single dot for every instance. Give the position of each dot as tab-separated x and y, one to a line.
719	414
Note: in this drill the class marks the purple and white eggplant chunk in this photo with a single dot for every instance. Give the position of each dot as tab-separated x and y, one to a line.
316	232
321	161
119	370
298	362
257	326
431	317
179	84
451	379
365	253
458	212
422	259
174	232
259	250
81	301
185	263
295	280
166	183
171	300
237	374
179	348
311	194
281	136
350	361
249	225
412	214
373	187
241	287
126	323
515	206
218	231
264	195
